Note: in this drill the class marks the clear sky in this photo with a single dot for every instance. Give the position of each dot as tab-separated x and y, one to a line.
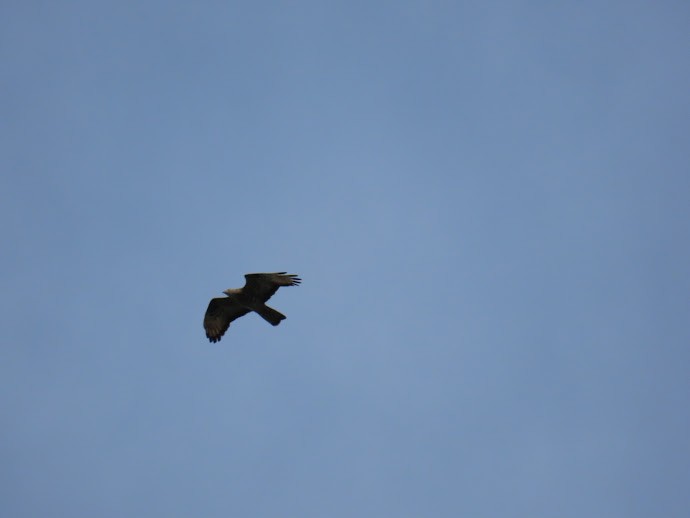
488	204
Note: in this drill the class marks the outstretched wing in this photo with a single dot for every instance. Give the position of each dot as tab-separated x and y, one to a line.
219	314
262	286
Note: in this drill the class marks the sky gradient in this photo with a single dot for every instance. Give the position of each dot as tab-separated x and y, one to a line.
487	204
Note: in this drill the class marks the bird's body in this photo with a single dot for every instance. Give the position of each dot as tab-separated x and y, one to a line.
259	287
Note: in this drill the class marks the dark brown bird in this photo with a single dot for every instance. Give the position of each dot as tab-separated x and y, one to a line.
258	288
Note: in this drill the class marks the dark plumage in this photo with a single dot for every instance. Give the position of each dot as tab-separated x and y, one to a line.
259	287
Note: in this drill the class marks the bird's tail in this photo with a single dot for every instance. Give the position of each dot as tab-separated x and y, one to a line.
270	315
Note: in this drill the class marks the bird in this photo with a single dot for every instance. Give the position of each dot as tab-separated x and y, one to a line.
258	288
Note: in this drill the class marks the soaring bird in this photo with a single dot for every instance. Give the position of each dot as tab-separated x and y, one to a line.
258	288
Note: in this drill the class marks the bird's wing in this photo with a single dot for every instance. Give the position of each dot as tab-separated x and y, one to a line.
262	286
218	316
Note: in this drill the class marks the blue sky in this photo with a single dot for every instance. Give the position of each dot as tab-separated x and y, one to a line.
488	204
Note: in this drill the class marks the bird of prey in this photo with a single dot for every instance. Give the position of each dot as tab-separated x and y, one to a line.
258	288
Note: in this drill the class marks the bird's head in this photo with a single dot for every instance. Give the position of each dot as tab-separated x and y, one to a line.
230	291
